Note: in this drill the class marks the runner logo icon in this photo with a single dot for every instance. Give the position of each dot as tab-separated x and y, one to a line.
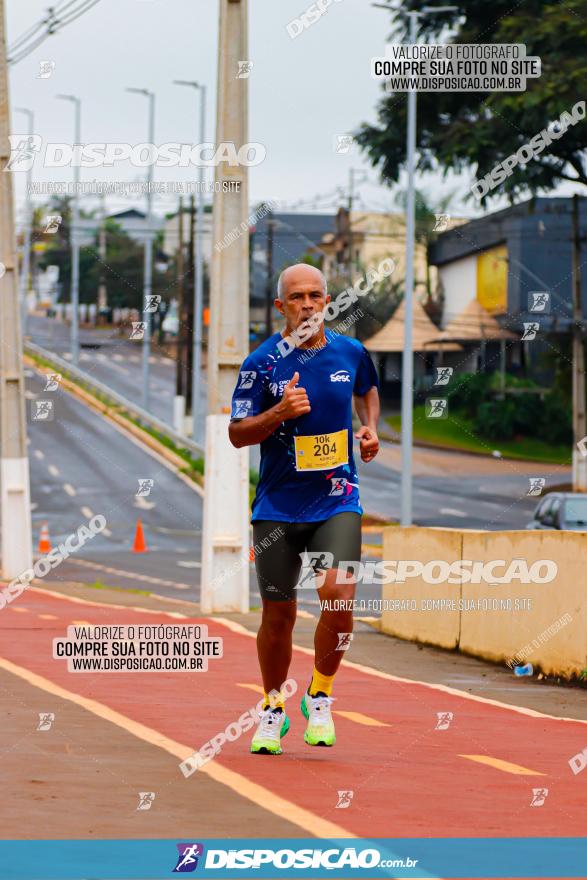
247	377
189	854
340	376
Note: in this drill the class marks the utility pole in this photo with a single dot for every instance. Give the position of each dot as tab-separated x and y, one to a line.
180	299
269	297
199	289
102	293
179	401
579	421
225	567
350	222
189	348
15	495
25	274
74	234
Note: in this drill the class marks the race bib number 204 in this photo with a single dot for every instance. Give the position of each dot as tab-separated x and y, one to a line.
319	452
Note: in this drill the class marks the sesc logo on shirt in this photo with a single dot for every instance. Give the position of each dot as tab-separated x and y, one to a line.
340	376
277	388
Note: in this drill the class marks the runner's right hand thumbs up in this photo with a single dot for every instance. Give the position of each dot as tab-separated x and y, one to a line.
295	401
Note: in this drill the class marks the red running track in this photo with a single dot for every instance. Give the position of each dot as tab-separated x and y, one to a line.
408	778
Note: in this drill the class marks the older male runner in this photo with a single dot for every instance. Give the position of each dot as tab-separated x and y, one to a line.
295	398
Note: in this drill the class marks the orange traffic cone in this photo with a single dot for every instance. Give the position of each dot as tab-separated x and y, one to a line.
139	545
44	541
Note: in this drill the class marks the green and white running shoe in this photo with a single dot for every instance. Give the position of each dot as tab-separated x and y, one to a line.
320	729
273	725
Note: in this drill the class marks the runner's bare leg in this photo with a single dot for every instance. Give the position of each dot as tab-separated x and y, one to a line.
274	642
332	622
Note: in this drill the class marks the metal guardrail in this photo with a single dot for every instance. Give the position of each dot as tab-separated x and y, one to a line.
132	408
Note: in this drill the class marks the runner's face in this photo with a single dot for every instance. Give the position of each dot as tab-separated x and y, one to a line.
301	299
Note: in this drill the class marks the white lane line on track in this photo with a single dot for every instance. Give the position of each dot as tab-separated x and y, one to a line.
68	488
240	784
87	512
53	470
144	578
451	511
38	454
368	670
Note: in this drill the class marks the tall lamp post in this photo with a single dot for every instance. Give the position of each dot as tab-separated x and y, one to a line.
28	223
199	285
148	264
408	352
75	234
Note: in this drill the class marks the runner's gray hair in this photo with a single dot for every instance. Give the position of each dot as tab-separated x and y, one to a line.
280	281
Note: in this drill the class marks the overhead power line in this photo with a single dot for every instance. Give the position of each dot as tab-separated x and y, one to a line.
55	20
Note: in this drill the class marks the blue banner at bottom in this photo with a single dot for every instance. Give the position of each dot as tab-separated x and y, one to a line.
464	857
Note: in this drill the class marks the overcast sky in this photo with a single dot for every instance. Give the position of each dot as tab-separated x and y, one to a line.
303	91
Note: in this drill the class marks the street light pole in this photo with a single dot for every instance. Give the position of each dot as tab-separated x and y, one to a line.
199	281
408	353
28	222
148	263
74	234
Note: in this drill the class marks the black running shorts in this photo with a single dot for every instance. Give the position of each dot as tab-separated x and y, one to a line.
280	548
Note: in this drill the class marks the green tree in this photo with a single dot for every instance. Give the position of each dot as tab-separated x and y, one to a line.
123	267
464	131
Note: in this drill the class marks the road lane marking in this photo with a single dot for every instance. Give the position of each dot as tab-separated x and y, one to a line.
451	511
506	766
262	797
377	673
53	470
38	454
67	487
48	616
188	564
251	687
143	504
129	574
368	670
87	512
19	610
359	718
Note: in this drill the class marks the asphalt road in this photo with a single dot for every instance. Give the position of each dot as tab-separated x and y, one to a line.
450	489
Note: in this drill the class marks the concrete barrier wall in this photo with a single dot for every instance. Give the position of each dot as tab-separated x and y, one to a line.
541	623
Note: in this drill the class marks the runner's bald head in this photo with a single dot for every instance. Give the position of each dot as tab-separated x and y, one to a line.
300	273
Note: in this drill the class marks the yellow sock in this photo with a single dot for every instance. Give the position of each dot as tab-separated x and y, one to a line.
321	683
276	702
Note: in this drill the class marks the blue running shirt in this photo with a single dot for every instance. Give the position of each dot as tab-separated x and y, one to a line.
308	470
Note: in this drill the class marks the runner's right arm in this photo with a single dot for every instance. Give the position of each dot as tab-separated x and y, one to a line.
251	430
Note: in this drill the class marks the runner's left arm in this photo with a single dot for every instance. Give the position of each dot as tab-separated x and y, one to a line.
366	397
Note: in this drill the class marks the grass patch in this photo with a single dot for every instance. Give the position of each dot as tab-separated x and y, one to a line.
456	432
98	585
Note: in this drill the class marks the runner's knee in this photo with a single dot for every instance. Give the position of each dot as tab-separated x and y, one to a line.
333	590
278	617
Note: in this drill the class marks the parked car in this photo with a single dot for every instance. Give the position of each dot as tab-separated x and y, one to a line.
561	510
